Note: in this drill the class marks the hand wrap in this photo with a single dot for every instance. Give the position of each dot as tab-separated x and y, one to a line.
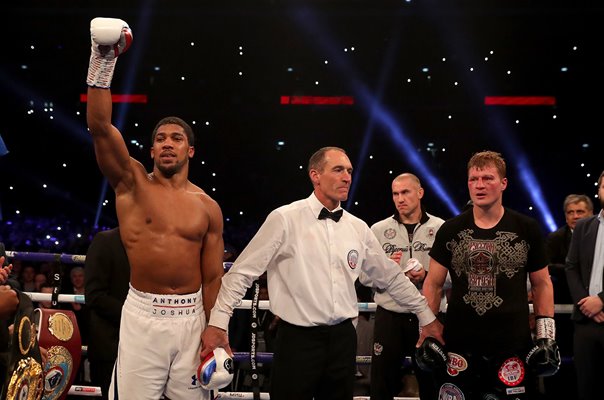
544	357
110	38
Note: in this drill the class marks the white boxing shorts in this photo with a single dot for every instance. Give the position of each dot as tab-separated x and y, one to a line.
158	353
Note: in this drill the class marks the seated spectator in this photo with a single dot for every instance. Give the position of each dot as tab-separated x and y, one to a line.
46	288
26	278
39	280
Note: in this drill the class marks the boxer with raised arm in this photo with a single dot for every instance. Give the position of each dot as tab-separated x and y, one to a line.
172	232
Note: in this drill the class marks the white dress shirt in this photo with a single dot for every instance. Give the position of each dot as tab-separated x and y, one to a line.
311	268
597	269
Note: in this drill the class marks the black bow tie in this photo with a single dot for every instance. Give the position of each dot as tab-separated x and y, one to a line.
336	215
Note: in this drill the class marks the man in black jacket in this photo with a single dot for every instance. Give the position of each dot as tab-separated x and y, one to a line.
585	272
576	206
107	273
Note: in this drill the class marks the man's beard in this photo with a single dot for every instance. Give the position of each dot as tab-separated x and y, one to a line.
169	171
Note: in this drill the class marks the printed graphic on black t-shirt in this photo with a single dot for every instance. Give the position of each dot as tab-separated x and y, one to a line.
483	261
488	306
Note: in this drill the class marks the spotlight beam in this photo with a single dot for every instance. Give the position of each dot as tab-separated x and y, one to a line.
503	132
378	114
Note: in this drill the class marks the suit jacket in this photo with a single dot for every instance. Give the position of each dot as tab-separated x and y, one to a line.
107	275
557	245
579	262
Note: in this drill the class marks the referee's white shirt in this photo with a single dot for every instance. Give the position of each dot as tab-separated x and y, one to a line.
311	268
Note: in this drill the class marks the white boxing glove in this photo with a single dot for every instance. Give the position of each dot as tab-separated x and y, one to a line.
216	370
110	37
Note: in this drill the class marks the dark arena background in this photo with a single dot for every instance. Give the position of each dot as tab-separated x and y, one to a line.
403	86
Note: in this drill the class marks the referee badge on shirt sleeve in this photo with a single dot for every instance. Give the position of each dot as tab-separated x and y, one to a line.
353	259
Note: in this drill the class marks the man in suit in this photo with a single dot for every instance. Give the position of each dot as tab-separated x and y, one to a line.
106	273
576	206
585	275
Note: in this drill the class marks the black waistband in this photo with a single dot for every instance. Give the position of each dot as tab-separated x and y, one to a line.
317	327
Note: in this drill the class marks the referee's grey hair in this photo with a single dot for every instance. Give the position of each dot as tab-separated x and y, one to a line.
317	160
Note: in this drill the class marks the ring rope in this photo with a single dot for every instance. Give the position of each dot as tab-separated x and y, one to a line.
266	396
63	298
245	304
50	257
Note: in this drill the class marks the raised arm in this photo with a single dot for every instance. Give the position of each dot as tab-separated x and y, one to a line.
110	37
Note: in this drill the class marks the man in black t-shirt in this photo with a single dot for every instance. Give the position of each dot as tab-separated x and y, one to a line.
489	251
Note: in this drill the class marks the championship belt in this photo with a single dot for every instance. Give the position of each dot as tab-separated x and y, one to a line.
59	334
24	380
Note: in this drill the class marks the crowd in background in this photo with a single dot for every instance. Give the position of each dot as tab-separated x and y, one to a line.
61	236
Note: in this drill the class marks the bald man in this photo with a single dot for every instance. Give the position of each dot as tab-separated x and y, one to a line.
406	237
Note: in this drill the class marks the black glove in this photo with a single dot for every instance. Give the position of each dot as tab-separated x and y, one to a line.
431	356
544	358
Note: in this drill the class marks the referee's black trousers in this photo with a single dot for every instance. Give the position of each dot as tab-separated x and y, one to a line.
314	362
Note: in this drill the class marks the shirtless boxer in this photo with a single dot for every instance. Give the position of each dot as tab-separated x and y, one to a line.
172	232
